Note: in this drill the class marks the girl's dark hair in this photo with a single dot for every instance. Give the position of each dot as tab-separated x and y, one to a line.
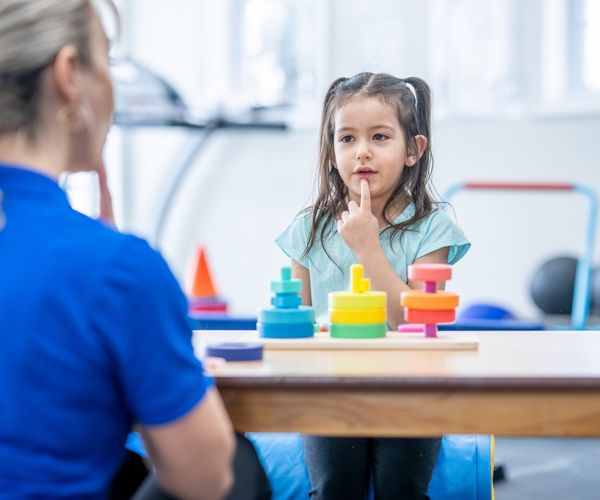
414	117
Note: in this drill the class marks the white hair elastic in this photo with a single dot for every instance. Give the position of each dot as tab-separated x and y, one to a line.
412	91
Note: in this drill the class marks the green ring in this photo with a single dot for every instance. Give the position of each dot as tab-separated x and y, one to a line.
372	331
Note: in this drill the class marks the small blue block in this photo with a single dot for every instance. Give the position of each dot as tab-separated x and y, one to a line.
285	330
286	300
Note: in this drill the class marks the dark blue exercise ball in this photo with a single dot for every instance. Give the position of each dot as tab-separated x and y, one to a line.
552	285
596	291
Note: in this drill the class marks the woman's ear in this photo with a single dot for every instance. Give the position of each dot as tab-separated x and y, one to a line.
66	74
420	143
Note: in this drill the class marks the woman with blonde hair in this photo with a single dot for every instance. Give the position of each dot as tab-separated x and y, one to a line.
93	331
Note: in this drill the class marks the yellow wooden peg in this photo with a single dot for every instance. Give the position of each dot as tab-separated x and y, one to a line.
356	277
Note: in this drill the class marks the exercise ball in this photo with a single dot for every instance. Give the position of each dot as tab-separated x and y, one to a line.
552	285
486	311
596	291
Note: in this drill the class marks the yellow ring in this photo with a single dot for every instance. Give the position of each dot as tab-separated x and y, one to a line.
348	300
357	316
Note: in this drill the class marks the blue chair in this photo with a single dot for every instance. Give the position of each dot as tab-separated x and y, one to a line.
463	470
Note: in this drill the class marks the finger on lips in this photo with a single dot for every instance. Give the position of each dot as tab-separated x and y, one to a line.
365	194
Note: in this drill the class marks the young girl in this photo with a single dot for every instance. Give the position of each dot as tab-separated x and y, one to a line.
374	206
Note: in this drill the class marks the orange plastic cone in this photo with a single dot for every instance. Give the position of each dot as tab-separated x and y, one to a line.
202	285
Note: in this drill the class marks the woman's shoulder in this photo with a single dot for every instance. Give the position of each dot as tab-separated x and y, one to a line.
102	250
102	241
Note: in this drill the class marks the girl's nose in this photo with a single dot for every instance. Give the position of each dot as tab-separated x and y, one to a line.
363	152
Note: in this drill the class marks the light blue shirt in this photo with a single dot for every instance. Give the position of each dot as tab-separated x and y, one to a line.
433	232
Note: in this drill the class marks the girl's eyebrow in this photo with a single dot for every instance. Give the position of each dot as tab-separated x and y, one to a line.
378	126
382	125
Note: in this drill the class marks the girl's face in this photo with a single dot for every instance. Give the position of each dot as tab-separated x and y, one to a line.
370	144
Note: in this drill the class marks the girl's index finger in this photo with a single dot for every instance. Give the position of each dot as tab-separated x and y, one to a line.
365	195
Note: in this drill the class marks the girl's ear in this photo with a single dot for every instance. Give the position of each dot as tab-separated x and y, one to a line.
420	142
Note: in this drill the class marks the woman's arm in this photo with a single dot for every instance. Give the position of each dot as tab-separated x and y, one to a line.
193	455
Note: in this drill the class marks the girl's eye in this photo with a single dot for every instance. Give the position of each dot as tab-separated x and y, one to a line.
346	138
380	137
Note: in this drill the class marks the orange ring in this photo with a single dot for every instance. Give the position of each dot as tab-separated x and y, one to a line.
429	317
439	301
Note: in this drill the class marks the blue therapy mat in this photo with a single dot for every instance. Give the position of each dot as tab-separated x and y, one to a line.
463	470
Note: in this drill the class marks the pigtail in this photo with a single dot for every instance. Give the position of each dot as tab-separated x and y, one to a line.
422	105
414	113
329	185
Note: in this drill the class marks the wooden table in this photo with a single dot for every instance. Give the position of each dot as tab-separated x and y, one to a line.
515	384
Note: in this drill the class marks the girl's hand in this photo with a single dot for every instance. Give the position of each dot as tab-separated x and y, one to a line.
358	227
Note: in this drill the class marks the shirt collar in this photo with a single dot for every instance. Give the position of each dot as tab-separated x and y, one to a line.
23	181
406	214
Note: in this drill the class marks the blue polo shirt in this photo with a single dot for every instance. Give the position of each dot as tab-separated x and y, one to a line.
93	339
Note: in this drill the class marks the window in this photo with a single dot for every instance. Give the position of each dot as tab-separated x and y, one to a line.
497	58
275	47
591	45
570	66
474	57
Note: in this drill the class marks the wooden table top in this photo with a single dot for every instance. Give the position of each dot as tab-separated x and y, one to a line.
515	384
526	360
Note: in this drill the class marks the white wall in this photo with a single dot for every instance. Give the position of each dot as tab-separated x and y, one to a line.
511	232
248	185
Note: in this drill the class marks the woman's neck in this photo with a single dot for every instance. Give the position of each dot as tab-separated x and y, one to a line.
16	149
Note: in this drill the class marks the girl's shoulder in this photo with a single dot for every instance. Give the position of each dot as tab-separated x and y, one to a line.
300	224
440	229
294	237
439	217
303	222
